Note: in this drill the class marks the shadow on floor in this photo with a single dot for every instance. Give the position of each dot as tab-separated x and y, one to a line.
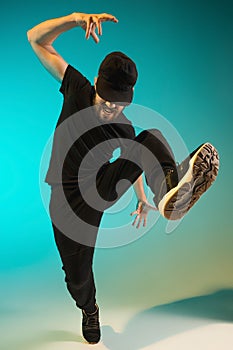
161	322
151	325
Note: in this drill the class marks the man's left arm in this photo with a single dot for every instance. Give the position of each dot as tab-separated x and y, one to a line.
143	207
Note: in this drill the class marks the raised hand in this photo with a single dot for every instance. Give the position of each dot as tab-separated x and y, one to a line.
89	22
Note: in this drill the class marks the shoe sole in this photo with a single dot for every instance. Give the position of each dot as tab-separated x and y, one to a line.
202	172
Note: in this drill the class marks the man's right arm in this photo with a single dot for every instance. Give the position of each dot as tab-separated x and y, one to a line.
42	36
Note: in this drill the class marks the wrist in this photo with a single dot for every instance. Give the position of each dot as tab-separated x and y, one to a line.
78	18
142	199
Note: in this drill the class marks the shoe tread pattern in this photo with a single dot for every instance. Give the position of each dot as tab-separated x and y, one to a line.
204	172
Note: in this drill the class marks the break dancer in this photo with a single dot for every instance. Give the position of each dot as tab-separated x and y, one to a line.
83	180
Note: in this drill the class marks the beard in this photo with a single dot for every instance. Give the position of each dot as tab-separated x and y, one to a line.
105	113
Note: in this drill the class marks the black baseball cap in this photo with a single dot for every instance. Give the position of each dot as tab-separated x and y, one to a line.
116	78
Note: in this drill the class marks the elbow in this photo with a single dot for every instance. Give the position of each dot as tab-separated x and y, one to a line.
29	36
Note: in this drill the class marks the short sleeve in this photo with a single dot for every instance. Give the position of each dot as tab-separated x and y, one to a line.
73	81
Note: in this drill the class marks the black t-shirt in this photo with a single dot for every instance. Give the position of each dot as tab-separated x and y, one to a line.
80	137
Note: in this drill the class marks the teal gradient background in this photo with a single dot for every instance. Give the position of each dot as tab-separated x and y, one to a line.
184	53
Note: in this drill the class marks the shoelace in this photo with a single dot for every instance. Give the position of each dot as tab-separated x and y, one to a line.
92	320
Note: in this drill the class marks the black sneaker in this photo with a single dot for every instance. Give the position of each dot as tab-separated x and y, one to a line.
196	174
91	326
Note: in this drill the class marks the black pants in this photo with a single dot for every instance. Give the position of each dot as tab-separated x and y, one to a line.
75	240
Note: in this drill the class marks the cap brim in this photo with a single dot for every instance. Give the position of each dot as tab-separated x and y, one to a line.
107	93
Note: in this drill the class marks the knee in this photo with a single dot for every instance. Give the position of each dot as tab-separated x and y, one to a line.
154	132
148	134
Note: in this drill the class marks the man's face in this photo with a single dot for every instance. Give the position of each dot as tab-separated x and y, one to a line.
106	110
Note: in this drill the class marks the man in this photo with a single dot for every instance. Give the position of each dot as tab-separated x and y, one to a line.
83	180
